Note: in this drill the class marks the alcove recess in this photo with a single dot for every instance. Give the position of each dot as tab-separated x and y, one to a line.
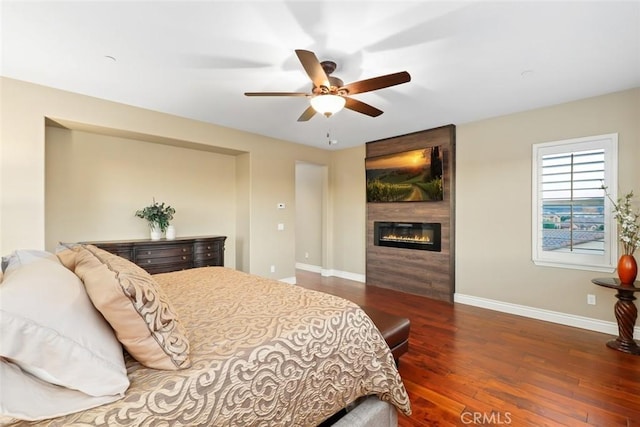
426	273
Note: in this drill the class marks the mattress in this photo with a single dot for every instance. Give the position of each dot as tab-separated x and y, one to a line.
263	353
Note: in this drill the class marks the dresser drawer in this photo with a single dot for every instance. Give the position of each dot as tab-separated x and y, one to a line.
209	253
162	256
122	250
166	268
178	259
204	247
216	262
124	253
152	252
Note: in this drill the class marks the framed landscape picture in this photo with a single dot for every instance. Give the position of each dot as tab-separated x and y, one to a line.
408	176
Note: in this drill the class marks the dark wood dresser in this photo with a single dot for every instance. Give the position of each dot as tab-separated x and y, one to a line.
163	256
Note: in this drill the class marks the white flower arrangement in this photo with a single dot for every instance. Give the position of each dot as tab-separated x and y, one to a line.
628	222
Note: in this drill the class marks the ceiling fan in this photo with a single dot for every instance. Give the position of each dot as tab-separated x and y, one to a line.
329	94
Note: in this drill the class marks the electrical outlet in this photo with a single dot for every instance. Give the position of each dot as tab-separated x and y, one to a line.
591	299
280	226
306	255
273	268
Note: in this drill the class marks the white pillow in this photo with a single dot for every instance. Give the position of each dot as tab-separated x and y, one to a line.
50	328
29	398
24	256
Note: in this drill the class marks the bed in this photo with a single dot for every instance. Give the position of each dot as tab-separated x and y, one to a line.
258	353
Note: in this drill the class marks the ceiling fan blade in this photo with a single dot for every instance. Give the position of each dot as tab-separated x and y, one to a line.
313	68
361	107
376	83
308	113
276	94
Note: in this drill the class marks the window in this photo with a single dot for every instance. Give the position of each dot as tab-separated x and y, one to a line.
572	222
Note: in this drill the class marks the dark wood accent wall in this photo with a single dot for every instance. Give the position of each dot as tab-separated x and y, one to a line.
430	274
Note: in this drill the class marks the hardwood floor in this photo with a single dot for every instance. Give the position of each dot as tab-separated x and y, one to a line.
471	366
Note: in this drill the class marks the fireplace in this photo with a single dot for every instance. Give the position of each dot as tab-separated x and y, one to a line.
424	236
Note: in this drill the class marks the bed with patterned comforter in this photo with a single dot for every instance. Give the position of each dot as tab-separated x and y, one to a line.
263	353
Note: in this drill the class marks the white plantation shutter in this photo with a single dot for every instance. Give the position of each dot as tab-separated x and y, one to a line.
572	222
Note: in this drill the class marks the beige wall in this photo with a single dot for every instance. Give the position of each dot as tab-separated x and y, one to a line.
348	211
493	202
268	170
310	213
243	209
94	184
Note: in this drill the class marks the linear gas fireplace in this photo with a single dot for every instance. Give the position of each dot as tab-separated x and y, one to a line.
424	236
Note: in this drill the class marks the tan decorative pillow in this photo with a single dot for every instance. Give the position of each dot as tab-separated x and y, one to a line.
129	298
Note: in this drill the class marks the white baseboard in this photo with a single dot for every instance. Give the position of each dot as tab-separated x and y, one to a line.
610	328
309	267
330	272
345	275
289	280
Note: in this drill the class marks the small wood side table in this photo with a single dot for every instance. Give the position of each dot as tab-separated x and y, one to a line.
626	314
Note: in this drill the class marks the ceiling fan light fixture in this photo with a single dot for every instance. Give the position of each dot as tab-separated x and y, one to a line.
327	104
329	94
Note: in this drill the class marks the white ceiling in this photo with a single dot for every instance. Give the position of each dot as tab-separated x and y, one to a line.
468	60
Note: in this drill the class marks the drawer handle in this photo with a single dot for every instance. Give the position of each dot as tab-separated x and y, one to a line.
148	261
208	247
184	249
208	254
148	252
184	257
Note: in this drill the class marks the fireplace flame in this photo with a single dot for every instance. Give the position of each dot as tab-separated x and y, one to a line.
414	239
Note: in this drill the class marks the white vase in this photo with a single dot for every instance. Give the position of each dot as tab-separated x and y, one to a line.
171	232
156	233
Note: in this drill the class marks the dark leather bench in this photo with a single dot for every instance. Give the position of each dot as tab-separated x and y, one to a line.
394	329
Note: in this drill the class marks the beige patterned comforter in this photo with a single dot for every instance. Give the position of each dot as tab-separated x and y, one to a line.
264	353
